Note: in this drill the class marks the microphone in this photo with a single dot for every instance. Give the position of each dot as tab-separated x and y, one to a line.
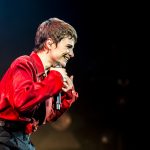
58	97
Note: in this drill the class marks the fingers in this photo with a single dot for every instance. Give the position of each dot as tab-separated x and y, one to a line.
65	85
71	77
68	84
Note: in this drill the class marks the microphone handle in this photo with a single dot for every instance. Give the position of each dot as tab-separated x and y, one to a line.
58	101
58	98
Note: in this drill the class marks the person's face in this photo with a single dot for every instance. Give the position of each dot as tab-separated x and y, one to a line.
62	52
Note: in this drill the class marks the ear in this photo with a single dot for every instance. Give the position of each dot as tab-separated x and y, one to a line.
48	43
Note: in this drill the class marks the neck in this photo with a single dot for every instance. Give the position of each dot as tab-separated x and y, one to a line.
43	57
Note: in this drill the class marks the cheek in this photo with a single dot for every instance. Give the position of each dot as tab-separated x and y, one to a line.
56	56
58	53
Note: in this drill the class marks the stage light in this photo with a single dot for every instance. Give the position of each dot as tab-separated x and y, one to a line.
62	123
104	139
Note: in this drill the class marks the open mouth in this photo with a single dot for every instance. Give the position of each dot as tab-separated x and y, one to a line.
66	58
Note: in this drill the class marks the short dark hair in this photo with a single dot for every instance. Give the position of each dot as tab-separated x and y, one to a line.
56	29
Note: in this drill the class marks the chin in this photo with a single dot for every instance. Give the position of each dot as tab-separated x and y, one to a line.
64	64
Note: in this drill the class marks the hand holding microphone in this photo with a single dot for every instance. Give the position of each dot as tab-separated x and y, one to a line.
58	67
68	83
58	98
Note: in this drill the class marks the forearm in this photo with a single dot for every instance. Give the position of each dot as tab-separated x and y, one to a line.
67	99
28	93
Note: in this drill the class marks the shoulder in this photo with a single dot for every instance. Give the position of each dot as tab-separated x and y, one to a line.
22	60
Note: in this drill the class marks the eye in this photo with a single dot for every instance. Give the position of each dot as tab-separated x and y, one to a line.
69	46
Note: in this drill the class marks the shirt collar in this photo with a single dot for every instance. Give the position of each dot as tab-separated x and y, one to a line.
38	63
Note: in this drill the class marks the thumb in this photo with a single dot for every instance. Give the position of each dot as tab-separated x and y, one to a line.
71	77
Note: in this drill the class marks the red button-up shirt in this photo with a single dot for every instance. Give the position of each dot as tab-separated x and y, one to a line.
24	87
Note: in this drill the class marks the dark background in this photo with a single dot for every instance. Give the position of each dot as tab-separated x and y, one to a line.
100	67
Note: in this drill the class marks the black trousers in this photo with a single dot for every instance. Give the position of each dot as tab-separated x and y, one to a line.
14	140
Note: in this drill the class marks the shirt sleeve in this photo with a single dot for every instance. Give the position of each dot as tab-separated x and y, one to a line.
67	99
26	93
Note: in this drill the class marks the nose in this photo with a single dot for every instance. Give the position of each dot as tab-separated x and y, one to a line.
71	53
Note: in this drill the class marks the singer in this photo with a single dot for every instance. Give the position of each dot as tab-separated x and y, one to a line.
29	88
